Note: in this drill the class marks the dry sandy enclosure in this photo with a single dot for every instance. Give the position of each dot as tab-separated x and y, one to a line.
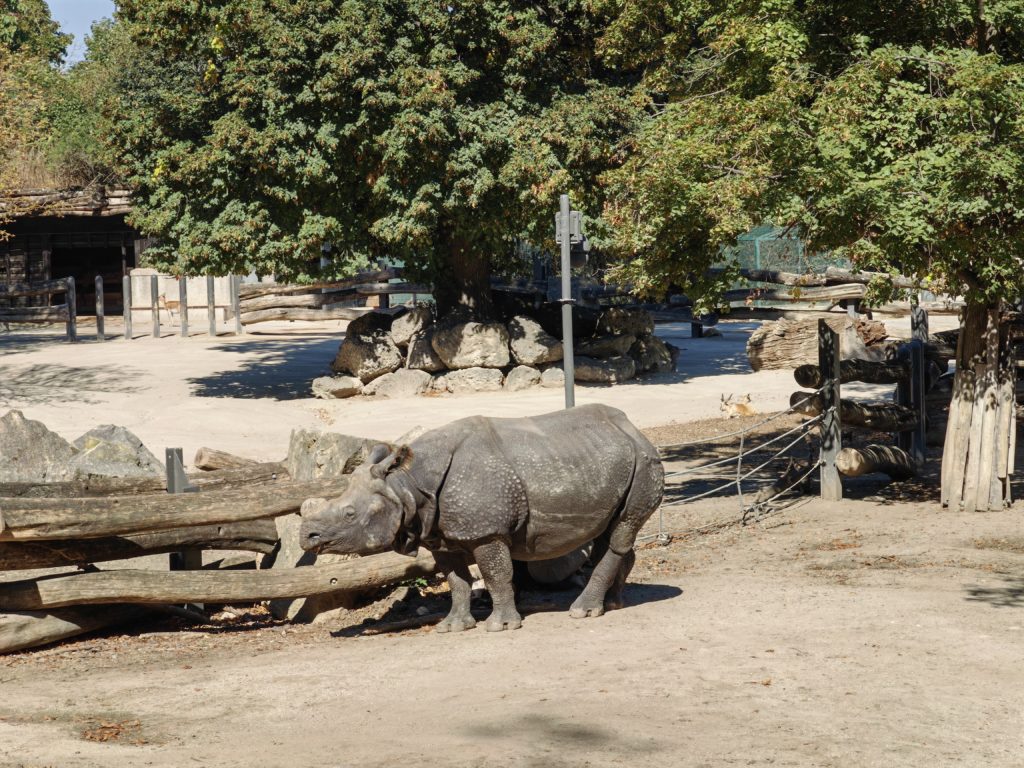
879	631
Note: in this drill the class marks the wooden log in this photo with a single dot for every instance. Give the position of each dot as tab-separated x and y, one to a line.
790	343
149	587
855	370
252	290
893	461
249	536
835	275
831	293
40	519
31	629
302	300
128	486
211	459
884	417
265	315
384	289
34	289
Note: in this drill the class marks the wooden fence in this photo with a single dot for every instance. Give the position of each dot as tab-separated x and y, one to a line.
53	313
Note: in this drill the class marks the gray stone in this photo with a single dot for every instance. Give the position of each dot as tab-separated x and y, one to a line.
472	345
522	377
610	371
530	344
405	382
312	455
370	324
336	387
31	453
408	325
651	354
113	451
552	377
473	380
635	322
367	356
421	355
606	346
440	383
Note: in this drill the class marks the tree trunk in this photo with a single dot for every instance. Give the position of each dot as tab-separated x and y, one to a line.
463	282
977	460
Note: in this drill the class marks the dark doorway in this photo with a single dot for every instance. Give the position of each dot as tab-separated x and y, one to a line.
84	264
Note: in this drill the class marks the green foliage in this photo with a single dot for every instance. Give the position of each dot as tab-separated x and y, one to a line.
27	27
425	131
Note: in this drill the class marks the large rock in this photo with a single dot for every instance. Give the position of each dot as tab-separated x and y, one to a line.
113	451
530	343
473	380
552	377
635	322
651	354
336	387
371	323
402	383
410	324
312	454
522	377
367	355
610	371
472	345
584	319
421	355
31	453
606	346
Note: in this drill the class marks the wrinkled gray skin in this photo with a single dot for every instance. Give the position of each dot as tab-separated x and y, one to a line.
494	490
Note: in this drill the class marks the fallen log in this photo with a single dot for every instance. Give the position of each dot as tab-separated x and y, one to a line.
884	417
790	343
31	629
855	370
893	461
208	459
266	315
253	290
34	519
98	486
151	587
250	536
306	300
833	293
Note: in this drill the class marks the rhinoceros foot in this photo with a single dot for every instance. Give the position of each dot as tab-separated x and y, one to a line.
455	624
504	618
584	608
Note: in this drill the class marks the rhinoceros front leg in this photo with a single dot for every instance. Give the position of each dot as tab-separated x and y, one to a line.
456	569
495	563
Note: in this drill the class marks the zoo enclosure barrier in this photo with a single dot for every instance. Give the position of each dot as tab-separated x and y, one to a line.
52	313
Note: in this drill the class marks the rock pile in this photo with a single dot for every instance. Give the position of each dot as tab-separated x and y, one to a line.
414	353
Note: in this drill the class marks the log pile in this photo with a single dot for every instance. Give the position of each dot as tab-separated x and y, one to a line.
783	344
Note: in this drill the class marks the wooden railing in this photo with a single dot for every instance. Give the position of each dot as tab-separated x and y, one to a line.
54	313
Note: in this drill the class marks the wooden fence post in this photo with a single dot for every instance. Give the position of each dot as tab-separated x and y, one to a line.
211	308
99	309
126	291
918	390
183	305
153	288
72	305
177	482
236	303
831	438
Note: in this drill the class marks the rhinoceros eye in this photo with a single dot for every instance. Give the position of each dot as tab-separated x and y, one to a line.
350	513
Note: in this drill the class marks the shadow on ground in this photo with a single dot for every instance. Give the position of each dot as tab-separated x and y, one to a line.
1009	595
281	370
41	384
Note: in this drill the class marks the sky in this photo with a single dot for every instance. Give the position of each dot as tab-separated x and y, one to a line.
76	17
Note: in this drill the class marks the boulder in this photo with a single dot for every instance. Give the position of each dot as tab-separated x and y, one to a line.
472	345
522	377
405	382
421	355
336	387
31	453
610	371
473	380
440	383
530	343
584	319
606	346
617	320
651	354
673	352
411	323
371	323
552	377
312	454
113	451
367	356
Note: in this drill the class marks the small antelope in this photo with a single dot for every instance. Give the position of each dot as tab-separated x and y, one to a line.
743	408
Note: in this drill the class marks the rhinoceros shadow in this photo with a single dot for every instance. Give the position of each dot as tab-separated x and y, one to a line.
397	618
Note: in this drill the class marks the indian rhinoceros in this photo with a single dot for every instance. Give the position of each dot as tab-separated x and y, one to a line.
493	490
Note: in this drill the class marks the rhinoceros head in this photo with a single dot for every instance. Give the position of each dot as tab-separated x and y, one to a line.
366	518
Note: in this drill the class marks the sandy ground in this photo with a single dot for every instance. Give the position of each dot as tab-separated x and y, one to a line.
880	631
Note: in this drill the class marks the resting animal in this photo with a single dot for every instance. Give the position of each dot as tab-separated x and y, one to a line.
493	490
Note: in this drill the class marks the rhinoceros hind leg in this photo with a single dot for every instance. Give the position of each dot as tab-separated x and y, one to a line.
591	601
495	563
456	569
613	600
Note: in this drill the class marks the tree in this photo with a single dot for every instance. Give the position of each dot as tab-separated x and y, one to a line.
892	133
438	133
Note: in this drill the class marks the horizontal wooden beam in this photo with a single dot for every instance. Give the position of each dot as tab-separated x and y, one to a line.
855	370
30	629
300	300
831	293
884	417
211	460
8	290
378	289
156	587
26	519
265	315
252	290
831	276
888	459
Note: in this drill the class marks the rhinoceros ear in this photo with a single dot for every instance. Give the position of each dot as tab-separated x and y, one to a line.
392	460
377	453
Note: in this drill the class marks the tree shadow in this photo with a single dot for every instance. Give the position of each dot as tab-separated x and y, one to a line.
1010	595
280	369
15	341
42	384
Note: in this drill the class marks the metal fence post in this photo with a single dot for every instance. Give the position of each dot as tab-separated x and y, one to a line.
126	292
211	308
154	286
178	482
831	437
183	305
100	335
72	305
568	362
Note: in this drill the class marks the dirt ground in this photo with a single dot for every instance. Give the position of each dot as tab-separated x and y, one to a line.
879	631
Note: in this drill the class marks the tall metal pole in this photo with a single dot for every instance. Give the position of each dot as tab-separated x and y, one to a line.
568	365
